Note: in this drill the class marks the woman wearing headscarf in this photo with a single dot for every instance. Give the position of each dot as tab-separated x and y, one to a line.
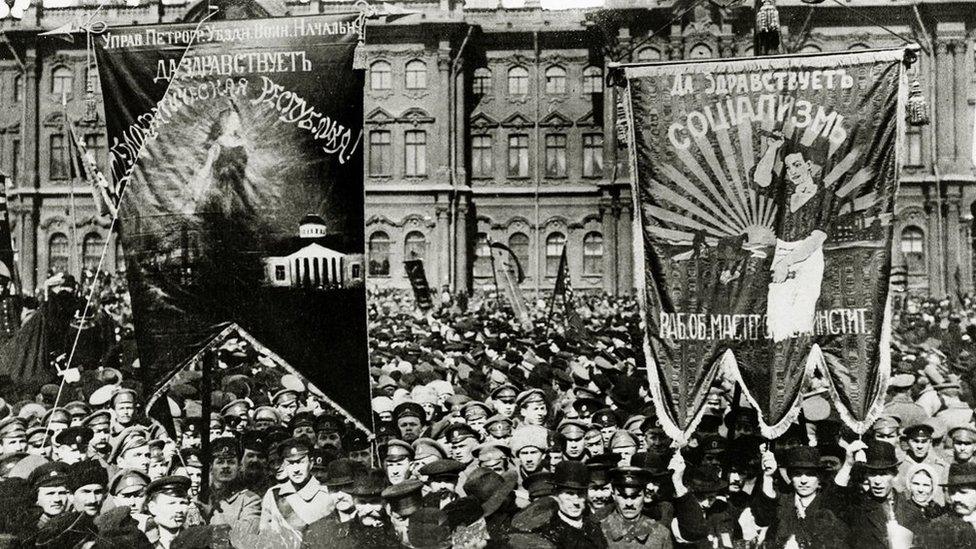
921	481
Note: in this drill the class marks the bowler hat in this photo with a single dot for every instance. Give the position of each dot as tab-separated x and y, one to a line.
961	474
706	479
879	456
369	484
571	474
803	458
491	488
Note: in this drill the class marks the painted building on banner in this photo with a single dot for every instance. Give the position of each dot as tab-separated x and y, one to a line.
312	264
490	122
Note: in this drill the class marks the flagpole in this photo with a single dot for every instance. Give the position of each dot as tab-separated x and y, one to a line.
494	273
69	138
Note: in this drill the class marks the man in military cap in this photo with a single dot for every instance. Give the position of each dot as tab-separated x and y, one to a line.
410	421
462	440
254	460
397	458
13	436
266	416
236	415
86	482
499	428
502	399
124	405
302	425
402	500
128	489
963	444
357	447
168	504
71	444
918	449
131	449
608	423
100	422
328	432
50	482
369	530
885	429
39	441
493	455
231	502
476	414
285	402
626	526
573	431
298	501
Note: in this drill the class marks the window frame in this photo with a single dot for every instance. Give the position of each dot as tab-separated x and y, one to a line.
481	83
419	76
385	77
376	239
593	166
482	162
386	149
415	154
53	153
593	262
553	255
521	81
63	243
521	149
591	74
556	80
66	74
555	150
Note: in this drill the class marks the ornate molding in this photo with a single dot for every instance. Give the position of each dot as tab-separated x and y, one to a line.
380	117
415	116
410	221
483	122
53	222
380	95
555	120
517	120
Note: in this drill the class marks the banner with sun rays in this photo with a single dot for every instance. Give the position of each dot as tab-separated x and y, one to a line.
236	149
765	192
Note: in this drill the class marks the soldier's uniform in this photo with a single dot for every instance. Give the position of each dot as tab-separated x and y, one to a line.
286	508
641	531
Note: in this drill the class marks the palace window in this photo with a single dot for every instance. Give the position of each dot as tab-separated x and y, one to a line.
555	80
18	88
481	85
649	54
700	51
593	155
62	80
555	243
379	254
913	252
592	80
556	155
518	81
482	256
593	254
95	145
380	76
913	146
414	245
91	251
57	253
380	153
60	164
518	156
519	243
481	156
416	75
415	144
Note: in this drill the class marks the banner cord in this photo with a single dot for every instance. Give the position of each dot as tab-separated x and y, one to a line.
654	33
874	22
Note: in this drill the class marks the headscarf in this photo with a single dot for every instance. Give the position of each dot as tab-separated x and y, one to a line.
921	468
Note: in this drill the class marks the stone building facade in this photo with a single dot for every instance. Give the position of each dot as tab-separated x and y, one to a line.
487	122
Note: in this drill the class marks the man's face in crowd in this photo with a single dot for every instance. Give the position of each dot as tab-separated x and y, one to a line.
397	471
88	499
361	456
101	437
805	483
919	446
651	491
530	459
158	469
571	502
594	445
890	436
607	433
69	454
328	438
504	404
344	502
254	462
124	412
410	428
135	458
963	500
962	450
264	421
298	470
629	501
461	450
306	432
625	453
225	469
737	481
132	500
534	413
370	511
39	446
168	511
656	440
287	410
53	500
599	495
13	444
574	447
879	483
442	485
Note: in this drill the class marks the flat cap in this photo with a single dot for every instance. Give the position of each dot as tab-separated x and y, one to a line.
442	469
54	473
175	485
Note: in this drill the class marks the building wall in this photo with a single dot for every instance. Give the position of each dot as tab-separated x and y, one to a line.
445	212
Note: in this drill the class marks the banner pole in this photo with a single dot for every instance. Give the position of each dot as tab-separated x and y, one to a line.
205	406
494	272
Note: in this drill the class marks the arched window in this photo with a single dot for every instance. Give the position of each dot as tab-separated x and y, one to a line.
913	252
482	256
379	254
416	75
593	254
555	243
414	245
380	76
62	80
700	51
555	80
57	253
482	81
858	46
810	48
18	88
519	243
91	251
518	81
592	80
649	54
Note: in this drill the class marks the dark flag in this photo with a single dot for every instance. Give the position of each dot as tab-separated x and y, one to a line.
564	289
765	192
418	281
235	148
104	194
508	276
9	298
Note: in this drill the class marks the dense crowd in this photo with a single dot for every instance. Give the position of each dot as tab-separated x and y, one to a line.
486	434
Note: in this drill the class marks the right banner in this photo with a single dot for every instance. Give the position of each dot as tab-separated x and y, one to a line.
764	195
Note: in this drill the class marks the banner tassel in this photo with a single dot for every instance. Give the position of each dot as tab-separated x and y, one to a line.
917	107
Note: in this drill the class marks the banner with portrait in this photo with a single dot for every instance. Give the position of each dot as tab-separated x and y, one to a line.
236	150
764	195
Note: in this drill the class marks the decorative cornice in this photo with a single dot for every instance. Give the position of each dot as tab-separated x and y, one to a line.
415	116
516	120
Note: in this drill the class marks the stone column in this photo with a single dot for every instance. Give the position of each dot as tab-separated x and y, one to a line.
442	125
944	105
954	243
442	244
625	251
963	122
462	281
934	252
30	180
609	213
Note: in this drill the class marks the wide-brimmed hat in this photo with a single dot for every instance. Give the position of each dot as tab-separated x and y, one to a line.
571	474
803	458
706	479
491	488
961	474
880	456
369	483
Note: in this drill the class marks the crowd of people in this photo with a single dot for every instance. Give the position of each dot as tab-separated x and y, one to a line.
484	434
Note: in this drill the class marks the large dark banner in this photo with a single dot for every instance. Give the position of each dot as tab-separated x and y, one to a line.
765	193
245	200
